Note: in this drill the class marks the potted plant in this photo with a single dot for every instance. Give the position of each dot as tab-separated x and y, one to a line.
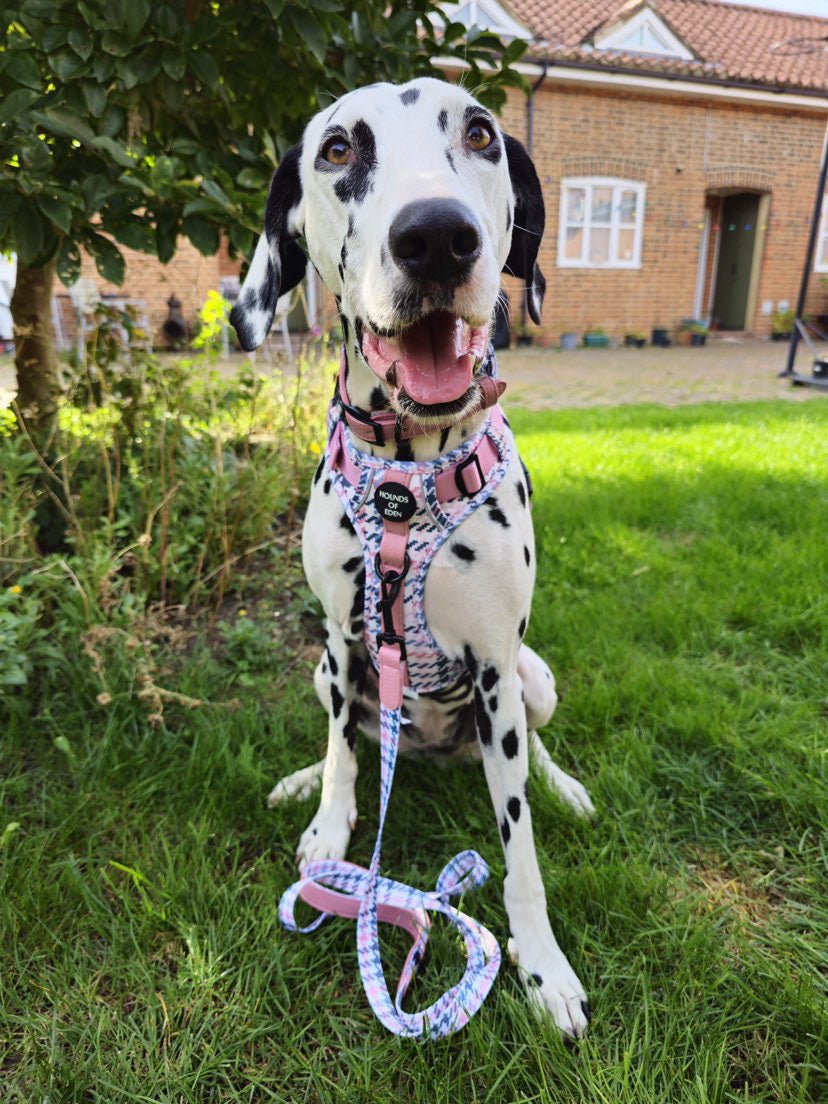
783	324
661	337
698	333
635	339
595	338
569	339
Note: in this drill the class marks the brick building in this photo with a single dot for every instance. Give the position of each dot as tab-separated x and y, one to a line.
678	152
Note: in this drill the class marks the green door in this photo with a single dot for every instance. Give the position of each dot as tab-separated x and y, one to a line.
737	236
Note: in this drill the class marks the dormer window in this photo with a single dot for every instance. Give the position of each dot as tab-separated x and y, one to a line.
643	32
488	15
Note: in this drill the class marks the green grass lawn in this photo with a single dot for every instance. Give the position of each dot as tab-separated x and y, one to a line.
682	602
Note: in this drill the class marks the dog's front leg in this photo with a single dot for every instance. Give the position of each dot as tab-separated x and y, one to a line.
327	835
552	985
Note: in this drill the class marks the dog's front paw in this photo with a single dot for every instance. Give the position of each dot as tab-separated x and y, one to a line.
327	835
552	987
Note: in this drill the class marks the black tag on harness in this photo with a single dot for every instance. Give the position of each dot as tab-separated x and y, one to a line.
395	502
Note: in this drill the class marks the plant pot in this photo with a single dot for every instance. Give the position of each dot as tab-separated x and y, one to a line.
596	341
698	339
524	339
781	336
661	337
569	341
820	368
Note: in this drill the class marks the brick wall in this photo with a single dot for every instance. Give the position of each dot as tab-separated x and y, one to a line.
684	151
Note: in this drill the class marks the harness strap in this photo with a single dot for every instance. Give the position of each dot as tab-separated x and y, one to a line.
381	427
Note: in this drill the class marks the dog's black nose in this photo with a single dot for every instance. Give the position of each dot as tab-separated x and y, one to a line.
435	239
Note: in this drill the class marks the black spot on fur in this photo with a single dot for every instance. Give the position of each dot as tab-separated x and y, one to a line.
490	677
509	743
337	700
352	564
350	233
497	515
470	660
505	830
378	401
327	486
346	524
357	628
341	271
508	219
356	671
444	436
521	493
450	160
526	555
522	626
403	451
463	552
358	328
410	96
484	722
493	704
333	664
318	474
359	597
356	182
355	715
513	805
537	979
442	120
343	254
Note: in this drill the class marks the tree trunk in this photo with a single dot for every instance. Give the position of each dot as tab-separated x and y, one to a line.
35	357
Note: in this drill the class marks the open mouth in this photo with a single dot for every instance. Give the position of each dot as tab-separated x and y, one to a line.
431	363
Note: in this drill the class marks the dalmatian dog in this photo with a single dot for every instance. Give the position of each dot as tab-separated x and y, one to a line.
411	201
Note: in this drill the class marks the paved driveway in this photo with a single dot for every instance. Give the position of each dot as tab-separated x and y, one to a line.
727	370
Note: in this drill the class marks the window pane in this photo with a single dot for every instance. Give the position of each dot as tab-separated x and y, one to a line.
575	204
574	243
601	204
626	245
599	246
628	206
823	260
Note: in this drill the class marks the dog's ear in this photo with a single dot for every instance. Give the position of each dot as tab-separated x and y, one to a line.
278	263
527	229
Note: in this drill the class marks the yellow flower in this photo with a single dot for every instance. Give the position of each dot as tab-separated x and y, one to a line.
242	613
315	449
16	589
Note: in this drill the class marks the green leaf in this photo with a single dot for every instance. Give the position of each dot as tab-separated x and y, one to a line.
95	96
16	102
204	68
204	235
66	123
54	36
81	42
68	262
67	65
28	233
112	120
22	68
200	206
126	69
137	13
12	827
311	32
115	150
166	234
56	211
113	42
216	192
251	178
174	62
275	7
103	67
108	258
135	234
9	203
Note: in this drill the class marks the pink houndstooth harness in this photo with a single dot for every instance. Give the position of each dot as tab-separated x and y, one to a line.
403	512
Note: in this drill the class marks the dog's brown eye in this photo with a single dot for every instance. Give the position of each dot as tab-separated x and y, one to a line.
337	151
479	135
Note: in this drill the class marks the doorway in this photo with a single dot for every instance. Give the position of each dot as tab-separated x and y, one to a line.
735	264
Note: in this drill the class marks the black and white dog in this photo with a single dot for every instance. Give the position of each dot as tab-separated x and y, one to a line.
411	201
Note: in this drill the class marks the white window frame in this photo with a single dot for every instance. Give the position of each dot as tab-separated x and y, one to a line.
616	36
504	23
589	183
822	239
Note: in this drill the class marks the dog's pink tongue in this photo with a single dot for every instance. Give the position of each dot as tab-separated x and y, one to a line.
435	367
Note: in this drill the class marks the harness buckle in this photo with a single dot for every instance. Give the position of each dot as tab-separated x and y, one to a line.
459	478
392	638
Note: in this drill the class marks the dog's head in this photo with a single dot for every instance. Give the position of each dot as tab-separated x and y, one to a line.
411	200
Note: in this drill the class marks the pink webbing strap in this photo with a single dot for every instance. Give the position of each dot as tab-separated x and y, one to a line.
393	558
